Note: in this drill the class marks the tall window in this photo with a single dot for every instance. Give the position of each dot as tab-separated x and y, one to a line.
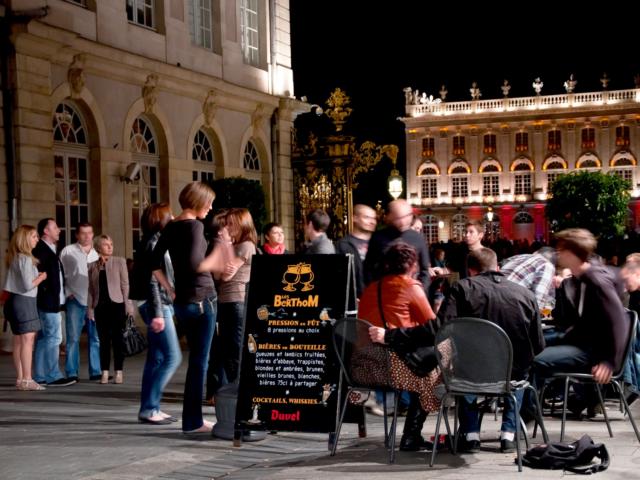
522	177
554	140
490	185
458	226
588	138
251	157
430	228
622	136
428	147
522	142
202	156
460	186
71	171
458	145
140	12
200	17
145	192
489	144
429	188
249	30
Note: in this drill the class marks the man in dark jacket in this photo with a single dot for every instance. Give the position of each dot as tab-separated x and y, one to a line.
596	342
399	217
485	294
46	367
357	242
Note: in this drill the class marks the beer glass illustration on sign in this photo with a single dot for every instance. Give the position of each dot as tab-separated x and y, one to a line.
291	277
306	277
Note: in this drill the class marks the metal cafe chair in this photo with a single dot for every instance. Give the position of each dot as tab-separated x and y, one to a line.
616	382
365	366
475	358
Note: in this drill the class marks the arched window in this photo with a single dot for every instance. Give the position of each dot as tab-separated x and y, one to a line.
428	172
251	157
458	226
623	164
144	149
459	171
522	178
490	170
522	217
71	170
588	160
430	228
554	165
203	158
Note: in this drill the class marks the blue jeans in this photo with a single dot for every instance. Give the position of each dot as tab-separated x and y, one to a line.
470	418
75	319
47	355
198	321
163	358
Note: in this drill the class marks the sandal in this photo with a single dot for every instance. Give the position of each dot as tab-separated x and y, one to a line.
32	385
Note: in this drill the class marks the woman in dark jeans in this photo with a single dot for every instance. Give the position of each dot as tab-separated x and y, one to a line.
195	294
164	355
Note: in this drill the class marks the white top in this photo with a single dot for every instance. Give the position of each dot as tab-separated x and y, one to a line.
20	276
76	272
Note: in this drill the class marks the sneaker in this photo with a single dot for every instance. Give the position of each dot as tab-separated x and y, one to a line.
414	443
631	397
62	382
74	378
507	446
374	407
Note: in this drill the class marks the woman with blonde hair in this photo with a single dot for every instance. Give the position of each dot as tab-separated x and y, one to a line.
108	305
21	309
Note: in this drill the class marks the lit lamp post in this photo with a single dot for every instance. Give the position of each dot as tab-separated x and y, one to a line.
395	181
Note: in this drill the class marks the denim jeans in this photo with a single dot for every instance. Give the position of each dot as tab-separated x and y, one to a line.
163	358
470	418
75	319
198	321
47	355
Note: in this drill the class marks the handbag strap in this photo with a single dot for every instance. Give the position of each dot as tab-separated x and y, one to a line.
384	322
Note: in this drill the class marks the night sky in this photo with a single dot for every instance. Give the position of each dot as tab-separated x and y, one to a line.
340	43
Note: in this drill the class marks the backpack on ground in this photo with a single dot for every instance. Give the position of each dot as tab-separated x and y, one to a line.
573	457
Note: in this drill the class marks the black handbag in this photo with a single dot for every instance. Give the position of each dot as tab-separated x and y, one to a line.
134	342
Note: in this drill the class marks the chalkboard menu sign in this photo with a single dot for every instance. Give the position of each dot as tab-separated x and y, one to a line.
289	375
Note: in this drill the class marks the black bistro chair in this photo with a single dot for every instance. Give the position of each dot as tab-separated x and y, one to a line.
365	366
475	357
616	382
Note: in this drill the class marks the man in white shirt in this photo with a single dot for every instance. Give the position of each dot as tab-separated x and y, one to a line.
75	259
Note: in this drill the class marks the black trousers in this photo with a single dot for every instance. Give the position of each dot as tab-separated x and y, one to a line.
110	320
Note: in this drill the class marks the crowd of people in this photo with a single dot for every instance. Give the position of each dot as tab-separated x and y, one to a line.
194	269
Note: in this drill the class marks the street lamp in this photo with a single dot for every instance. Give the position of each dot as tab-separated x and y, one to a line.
490	215
395	181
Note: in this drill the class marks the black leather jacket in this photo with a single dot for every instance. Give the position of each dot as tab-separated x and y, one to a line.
49	290
156	296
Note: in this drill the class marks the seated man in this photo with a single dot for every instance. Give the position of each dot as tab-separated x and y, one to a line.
596	342
485	294
488	294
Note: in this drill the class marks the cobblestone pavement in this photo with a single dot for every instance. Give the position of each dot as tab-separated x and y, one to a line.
90	431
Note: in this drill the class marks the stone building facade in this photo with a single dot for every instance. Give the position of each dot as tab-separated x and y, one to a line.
495	159
114	104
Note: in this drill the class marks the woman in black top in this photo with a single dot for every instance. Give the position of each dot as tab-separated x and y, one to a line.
195	301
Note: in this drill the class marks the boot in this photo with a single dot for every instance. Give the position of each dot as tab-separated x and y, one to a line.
118	378
411	434
105	377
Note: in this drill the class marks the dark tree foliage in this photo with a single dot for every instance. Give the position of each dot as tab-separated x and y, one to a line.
239	192
591	200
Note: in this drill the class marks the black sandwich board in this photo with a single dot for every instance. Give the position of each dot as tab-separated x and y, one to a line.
289	377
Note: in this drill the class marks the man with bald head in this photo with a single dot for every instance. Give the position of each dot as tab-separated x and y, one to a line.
357	242
399	219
